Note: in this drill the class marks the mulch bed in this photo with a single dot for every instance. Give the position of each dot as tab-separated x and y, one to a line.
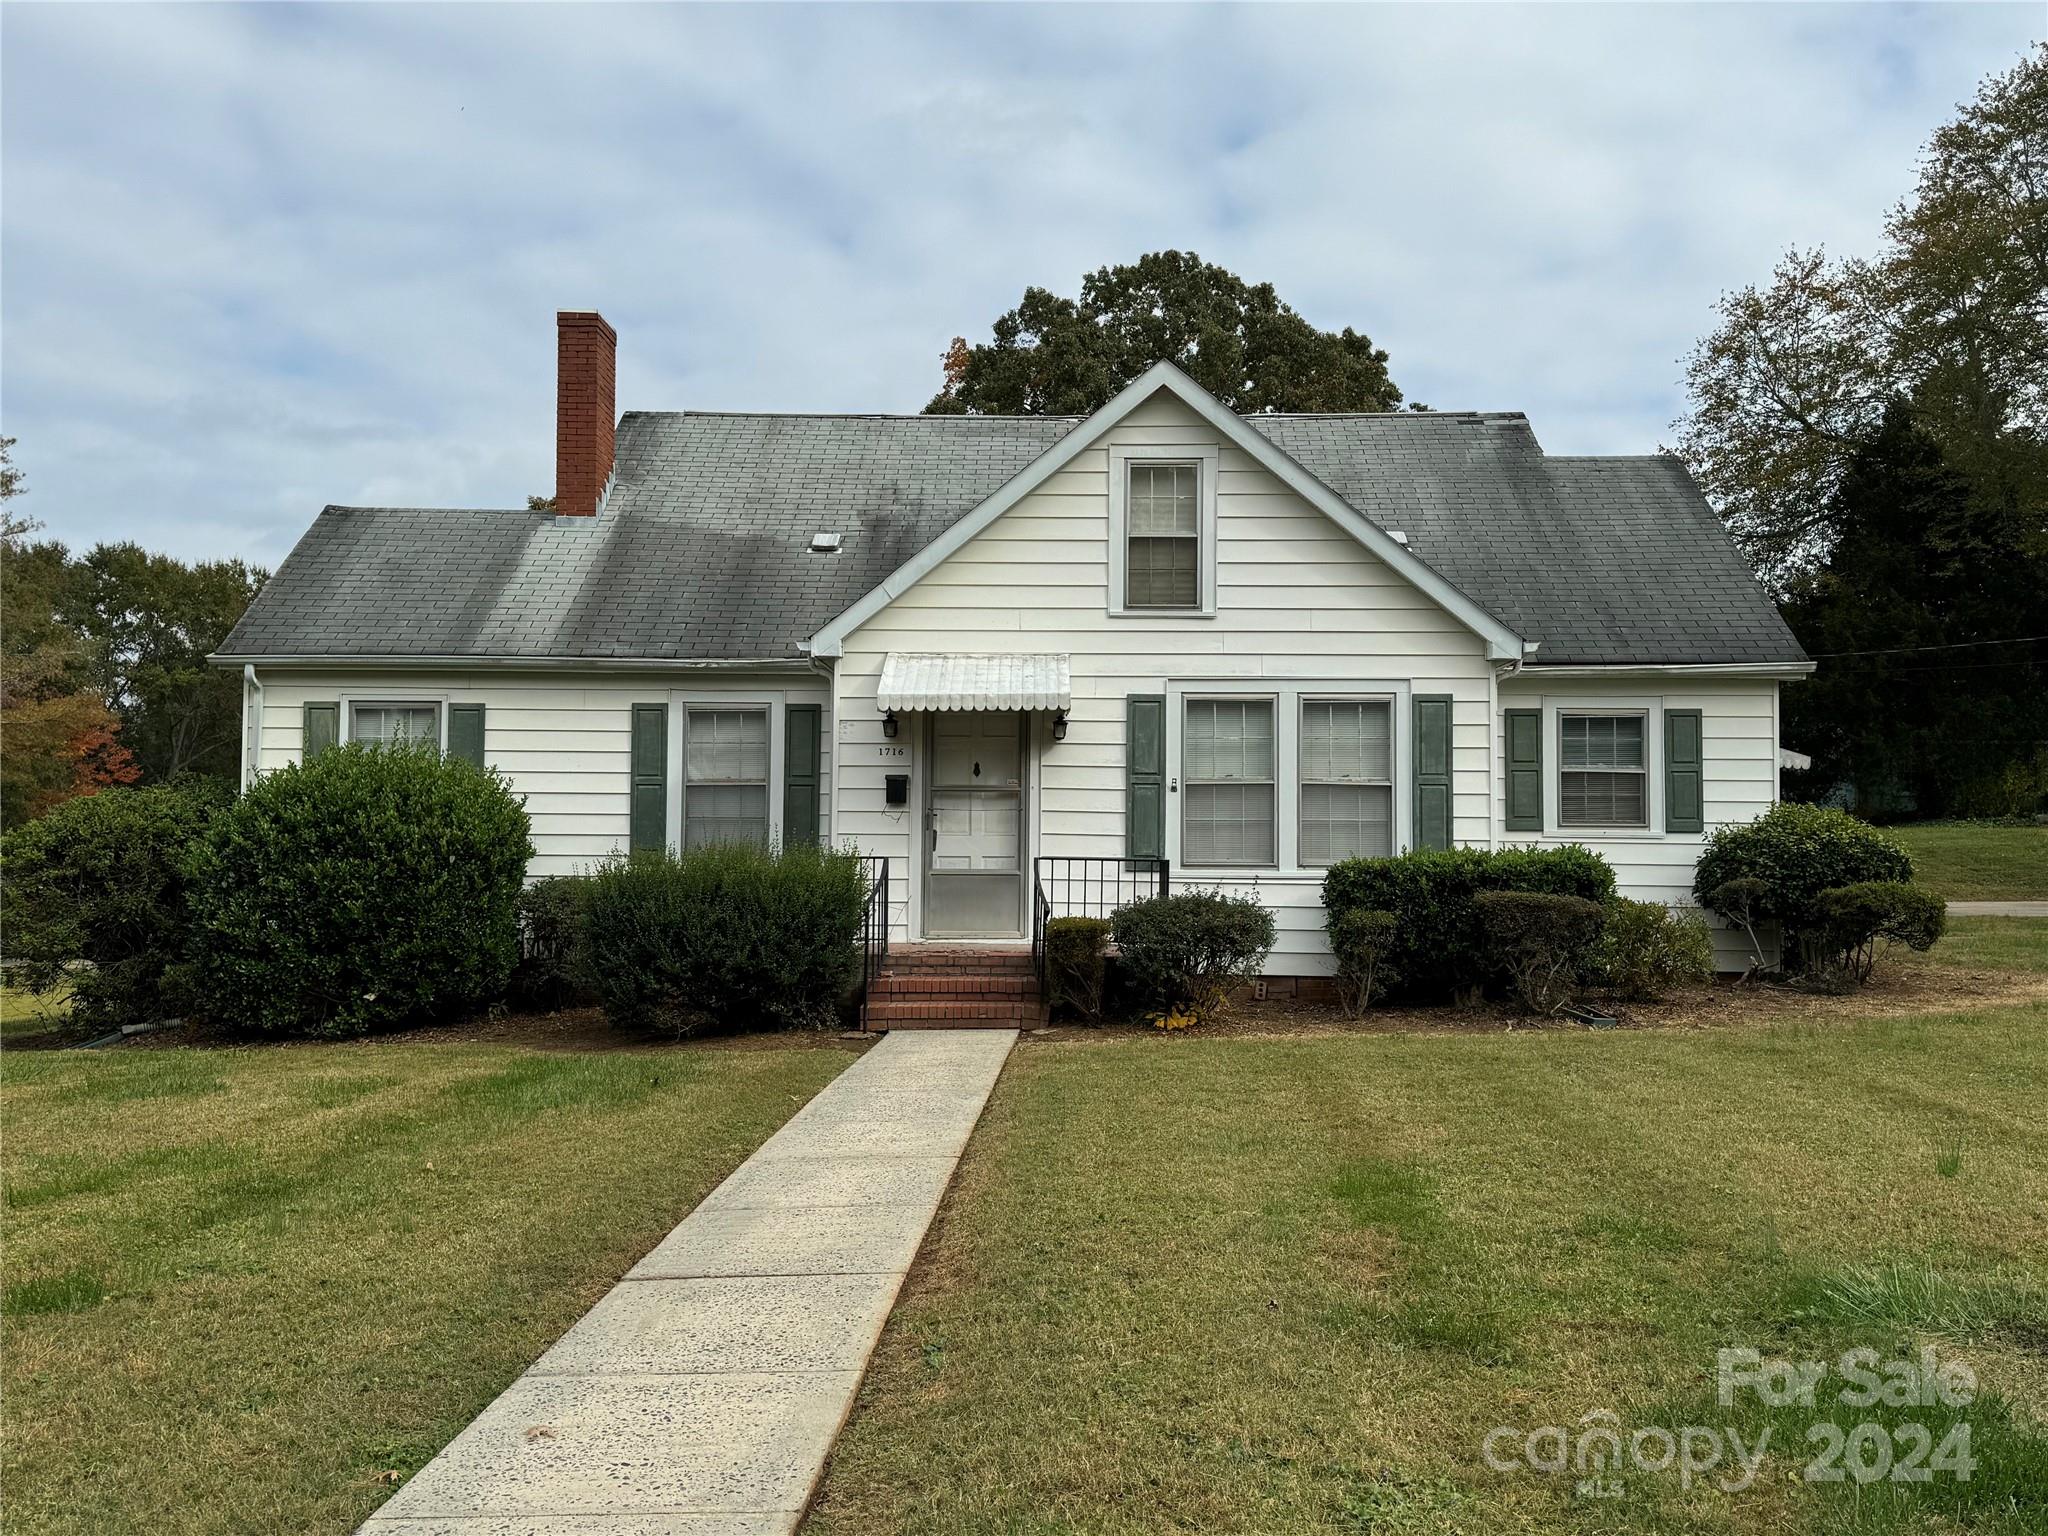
1895	990
571	1029
1726	1004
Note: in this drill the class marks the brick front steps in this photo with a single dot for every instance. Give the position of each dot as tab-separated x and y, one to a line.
946	986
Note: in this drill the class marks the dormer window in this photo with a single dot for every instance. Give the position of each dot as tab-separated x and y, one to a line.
1162	529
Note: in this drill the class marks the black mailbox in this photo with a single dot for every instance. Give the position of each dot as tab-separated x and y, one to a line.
896	788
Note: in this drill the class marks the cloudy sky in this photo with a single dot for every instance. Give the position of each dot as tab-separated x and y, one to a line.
257	260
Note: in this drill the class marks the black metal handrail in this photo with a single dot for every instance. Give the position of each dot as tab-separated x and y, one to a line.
1064	885
874	927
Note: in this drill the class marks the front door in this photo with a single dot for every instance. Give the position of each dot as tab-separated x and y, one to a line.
974	825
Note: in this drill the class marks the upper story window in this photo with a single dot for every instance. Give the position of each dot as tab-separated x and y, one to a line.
1603	775
1162	530
384	722
1163	535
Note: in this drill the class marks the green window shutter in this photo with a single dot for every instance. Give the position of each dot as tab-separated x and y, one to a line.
323	729
650	777
1432	770
466	732
1685	788
1524	745
1145	776
800	727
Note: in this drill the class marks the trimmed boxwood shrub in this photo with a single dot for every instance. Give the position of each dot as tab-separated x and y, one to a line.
101	879
1438	949
1646	949
1076	965
1849	922
550	973
370	887
1795	852
1185	953
1539	942
1364	943
730	935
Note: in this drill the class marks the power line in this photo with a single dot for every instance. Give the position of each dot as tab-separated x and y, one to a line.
1901	650
2029	663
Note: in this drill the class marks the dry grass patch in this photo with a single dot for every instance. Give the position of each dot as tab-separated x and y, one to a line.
1287	1285
247	1289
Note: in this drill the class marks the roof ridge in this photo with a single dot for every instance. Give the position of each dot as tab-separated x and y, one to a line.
964	416
1609	458
1460	415
853	416
343	506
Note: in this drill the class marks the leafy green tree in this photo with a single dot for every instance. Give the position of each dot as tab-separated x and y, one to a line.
1951	314
1053	356
150	621
1924	566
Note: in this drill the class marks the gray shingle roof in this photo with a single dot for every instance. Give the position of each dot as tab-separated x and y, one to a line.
702	552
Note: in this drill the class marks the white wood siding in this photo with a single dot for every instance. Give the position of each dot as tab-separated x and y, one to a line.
1297	598
562	738
1739	749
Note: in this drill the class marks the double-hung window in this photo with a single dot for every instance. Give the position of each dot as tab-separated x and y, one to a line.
1227	763
725	783
395	722
1347	780
1603	774
1163	535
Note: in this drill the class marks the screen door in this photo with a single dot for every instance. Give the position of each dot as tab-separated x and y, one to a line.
974	826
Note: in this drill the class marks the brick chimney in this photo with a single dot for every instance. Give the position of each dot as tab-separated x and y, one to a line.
586	358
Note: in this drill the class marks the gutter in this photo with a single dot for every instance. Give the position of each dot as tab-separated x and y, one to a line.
791	664
1779	669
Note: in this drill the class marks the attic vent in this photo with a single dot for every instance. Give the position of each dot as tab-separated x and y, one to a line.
1397	536
824	543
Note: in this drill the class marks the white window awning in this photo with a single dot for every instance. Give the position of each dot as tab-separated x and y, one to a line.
1009	681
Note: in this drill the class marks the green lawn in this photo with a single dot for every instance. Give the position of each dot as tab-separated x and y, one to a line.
23	1014
1986	943
1277	1286
241	1286
1966	861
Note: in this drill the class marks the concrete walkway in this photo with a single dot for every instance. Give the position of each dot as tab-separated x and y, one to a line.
1998	909
701	1395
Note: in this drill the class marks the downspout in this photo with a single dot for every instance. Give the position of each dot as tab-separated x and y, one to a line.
252	723
825	668
1496	784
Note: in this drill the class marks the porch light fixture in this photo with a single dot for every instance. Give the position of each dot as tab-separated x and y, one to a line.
1059	726
889	725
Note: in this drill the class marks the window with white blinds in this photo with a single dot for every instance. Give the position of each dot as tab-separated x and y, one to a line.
1603	775
725	782
1163	536
1227	765
419	723
1347	780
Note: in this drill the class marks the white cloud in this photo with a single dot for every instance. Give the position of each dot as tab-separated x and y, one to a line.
260	259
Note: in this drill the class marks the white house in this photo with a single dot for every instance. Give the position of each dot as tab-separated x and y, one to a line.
986	648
